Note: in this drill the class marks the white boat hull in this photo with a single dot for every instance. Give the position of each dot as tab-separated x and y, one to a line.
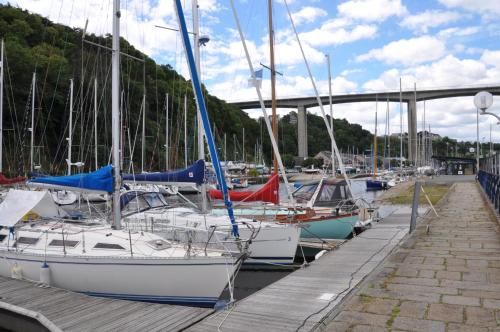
186	281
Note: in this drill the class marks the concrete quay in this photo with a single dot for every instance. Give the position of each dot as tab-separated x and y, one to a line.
445	277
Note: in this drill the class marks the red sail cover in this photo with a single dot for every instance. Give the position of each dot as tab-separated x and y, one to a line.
4	180
268	193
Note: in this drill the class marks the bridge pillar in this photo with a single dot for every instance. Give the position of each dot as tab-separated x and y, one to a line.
412	129
302	131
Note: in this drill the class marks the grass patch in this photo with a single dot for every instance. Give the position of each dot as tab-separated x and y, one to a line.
395	312
366	298
435	193
388	279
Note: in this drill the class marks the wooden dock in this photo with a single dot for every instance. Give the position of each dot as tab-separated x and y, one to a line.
298	302
301	300
24	306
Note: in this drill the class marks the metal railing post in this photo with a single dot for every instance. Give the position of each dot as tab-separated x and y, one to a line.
414	209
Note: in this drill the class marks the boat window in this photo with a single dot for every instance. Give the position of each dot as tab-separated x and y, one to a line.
155	200
342	192
2	236
102	245
65	243
27	240
136	204
305	193
327	193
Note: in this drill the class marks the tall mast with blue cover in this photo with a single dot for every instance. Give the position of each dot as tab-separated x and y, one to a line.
204	115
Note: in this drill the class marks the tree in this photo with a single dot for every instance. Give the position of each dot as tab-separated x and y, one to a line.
288	160
312	161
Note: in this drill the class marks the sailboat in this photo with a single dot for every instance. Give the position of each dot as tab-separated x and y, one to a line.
375	183
39	242
271	243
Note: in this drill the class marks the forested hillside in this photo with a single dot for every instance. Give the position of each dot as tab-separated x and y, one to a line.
57	53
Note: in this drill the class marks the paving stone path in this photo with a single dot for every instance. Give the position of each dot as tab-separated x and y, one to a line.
446	279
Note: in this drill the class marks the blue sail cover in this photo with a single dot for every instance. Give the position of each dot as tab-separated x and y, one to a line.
100	181
193	174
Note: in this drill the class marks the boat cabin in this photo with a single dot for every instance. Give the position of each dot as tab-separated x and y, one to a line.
322	193
139	201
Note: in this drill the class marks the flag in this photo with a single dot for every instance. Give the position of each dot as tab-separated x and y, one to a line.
258	78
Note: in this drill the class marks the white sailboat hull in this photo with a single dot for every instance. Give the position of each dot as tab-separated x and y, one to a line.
186	281
101	261
181	281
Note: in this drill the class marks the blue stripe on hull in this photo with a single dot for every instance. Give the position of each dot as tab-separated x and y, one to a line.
206	302
41	260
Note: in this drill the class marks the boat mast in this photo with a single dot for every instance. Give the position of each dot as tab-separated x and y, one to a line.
70	125
166	133
424	141
115	113
274	143
389	133
204	116
32	129
95	122
185	133
331	109
143	106
375	143
401	127
273	80
416	143
1	106
201	143
244	145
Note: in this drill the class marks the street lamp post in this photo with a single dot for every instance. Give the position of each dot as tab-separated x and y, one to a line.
483	100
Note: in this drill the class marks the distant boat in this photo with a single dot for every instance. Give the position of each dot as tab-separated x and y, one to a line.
375	183
323	209
311	170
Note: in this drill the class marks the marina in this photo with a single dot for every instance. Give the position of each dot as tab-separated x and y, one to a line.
223	165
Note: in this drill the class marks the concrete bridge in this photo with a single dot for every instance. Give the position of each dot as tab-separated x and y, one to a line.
408	96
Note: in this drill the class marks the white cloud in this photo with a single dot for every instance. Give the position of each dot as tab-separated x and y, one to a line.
288	86
487	7
371	10
207	5
332	34
458	32
137	23
348	72
491	58
421	22
447	72
308	14
407	51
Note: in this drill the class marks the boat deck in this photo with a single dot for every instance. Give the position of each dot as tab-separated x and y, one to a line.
304	298
54	309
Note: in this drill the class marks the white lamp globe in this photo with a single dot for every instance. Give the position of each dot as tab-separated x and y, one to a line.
483	100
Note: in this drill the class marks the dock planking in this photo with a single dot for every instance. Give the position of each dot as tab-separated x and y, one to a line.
302	300
71	311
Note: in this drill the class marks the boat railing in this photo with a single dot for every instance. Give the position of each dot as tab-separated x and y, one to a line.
214	237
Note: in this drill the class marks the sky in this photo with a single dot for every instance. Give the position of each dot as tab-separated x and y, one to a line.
371	43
